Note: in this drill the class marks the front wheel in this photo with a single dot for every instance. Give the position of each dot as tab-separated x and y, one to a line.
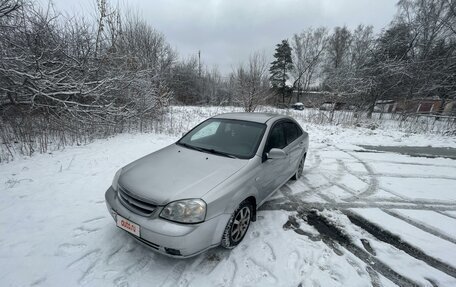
300	170
238	225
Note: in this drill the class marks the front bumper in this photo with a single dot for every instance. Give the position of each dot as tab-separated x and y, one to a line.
170	238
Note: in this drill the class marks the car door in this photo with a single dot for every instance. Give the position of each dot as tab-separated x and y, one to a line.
294	145
273	171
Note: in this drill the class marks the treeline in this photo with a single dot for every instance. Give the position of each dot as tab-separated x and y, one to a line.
69	77
118	67
413	57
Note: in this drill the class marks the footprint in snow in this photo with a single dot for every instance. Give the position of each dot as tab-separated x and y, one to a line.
267	249
121	282
293	260
368	247
67	248
255	234
86	263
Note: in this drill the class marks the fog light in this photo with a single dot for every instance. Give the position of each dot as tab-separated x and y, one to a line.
173	251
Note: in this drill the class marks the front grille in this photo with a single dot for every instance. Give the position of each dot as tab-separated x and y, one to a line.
135	204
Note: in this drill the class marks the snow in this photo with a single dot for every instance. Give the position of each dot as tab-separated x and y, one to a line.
431	219
55	229
442	190
397	259
435	246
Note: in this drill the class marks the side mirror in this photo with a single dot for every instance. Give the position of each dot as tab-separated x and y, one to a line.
276	153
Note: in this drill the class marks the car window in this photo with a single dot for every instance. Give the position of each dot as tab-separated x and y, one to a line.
206	131
299	130
292	132
276	138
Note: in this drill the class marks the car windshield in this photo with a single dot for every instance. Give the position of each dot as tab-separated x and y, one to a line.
225	137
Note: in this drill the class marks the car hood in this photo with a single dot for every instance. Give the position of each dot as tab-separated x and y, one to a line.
176	172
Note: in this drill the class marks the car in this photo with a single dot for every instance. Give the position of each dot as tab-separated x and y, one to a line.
327	106
204	190
298	106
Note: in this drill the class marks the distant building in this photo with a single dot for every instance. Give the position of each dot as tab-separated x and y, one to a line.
420	106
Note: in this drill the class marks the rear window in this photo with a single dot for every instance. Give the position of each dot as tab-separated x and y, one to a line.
293	132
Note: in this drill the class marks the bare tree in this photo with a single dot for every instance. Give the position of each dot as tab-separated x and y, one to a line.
361	46
308	51
250	83
339	47
431	64
75	77
337	62
8	7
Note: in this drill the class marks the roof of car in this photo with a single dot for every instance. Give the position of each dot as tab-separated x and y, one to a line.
252	117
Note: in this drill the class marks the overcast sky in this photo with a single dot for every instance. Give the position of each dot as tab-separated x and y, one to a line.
227	31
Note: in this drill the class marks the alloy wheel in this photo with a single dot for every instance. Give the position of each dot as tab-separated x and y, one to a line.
240	224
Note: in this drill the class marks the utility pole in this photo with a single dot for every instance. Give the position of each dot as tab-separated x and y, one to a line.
199	63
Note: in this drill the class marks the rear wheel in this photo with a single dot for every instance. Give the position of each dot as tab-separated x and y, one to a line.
238	225
300	170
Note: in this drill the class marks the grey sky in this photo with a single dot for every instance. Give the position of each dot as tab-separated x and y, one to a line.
227	31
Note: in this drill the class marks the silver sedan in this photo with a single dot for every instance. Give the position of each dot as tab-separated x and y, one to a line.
203	191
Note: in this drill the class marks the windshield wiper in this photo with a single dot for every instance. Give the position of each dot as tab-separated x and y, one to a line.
213	151
210	150
191	147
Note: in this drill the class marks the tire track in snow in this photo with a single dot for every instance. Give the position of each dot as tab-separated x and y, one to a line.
412	163
392	239
373	180
89	259
174	276
423	227
113	253
375	279
294	202
295	206
396	175
94	219
446	214
402	199
331	233
83	257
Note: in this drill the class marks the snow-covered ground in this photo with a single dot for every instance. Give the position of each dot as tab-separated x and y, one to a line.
356	218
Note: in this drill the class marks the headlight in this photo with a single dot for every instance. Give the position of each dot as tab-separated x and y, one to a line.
115	180
185	211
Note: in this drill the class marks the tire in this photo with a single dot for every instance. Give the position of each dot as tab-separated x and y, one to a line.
235	232
300	169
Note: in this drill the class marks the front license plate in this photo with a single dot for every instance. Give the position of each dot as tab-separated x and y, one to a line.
127	225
